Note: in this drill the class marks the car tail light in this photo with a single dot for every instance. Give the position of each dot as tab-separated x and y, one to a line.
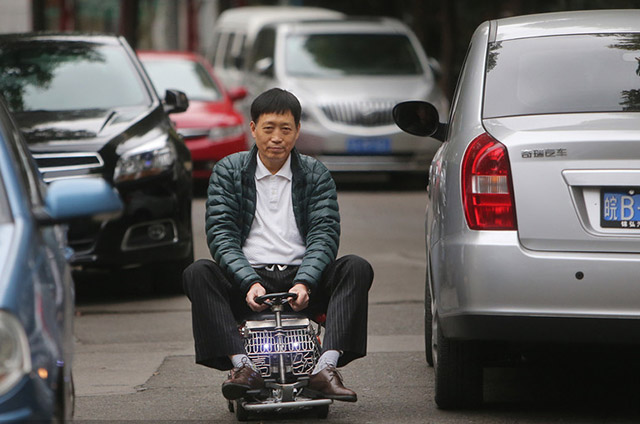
487	189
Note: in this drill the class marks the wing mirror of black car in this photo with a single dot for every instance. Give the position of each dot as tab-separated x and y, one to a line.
419	118
175	101
66	200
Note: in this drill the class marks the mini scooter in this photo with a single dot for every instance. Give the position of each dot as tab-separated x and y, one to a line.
285	348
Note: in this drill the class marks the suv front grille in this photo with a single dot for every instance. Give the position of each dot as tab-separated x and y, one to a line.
372	113
67	165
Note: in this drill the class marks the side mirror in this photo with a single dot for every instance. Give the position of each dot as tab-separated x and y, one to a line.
237	93
418	118
264	66
77	198
175	101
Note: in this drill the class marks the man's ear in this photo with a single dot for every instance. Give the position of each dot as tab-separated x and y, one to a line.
252	125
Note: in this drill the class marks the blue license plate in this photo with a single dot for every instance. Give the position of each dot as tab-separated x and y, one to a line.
370	145
620	208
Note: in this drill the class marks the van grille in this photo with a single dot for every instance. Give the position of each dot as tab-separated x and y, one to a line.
366	114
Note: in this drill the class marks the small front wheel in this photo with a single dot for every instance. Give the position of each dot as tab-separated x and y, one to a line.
241	413
322	411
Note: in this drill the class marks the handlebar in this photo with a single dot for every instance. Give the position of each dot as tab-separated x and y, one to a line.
275	298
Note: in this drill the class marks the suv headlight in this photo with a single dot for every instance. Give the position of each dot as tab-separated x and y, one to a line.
15	355
145	161
223	132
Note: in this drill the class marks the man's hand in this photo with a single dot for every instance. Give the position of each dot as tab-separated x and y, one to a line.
256	290
303	297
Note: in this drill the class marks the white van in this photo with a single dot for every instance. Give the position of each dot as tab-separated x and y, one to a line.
235	31
349	74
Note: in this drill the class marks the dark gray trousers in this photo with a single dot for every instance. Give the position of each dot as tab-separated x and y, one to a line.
217	306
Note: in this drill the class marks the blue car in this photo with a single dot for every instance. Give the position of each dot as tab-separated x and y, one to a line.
36	289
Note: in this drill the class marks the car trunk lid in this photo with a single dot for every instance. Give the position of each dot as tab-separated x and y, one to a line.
562	166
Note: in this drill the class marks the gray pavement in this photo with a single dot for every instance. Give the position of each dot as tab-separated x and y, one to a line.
134	353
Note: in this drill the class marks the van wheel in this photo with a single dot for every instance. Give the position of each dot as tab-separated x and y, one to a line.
458	371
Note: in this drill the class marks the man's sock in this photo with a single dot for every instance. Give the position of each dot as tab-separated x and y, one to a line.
241	360
328	358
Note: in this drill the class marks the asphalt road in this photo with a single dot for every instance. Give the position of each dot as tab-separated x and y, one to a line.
134	351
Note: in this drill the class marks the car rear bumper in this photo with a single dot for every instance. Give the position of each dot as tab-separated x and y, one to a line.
547	329
489	287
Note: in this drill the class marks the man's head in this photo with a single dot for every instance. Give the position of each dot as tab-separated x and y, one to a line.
275	126
278	101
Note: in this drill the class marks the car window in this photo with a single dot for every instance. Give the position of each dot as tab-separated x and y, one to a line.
264	46
29	174
563	74
456	94
213	49
336	55
57	75
184	75
229	58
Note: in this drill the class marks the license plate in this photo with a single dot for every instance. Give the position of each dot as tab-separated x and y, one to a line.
620	208
371	145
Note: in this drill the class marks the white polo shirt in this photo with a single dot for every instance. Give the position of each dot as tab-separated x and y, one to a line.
274	237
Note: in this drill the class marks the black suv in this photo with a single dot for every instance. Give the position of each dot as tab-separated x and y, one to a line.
88	110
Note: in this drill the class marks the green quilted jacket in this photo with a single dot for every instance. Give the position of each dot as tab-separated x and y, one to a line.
231	206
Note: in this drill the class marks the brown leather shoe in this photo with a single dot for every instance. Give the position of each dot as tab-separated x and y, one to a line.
240	380
328	383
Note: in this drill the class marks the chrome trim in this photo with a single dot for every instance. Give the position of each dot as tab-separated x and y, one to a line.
69	177
89	165
381	163
291	404
127	234
269	323
373	113
194	132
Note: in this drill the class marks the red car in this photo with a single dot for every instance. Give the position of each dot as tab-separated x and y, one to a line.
212	128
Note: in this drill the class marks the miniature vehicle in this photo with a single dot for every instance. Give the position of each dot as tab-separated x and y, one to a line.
285	348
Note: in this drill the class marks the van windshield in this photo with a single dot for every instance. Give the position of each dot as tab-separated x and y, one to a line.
337	55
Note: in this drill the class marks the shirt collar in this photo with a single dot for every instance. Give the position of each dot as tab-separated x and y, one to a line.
285	171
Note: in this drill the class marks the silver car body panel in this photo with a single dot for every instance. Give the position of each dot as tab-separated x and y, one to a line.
560	263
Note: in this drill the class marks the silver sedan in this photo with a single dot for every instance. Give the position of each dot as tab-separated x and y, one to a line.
533	215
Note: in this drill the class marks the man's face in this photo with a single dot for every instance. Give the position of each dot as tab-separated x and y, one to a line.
275	135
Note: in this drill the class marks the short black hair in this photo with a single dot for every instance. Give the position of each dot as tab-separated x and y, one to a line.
276	100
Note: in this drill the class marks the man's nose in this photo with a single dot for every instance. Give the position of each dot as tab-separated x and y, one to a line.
276	137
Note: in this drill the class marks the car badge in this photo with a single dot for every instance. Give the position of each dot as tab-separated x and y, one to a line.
543	153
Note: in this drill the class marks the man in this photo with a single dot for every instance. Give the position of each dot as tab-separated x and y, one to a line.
273	225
